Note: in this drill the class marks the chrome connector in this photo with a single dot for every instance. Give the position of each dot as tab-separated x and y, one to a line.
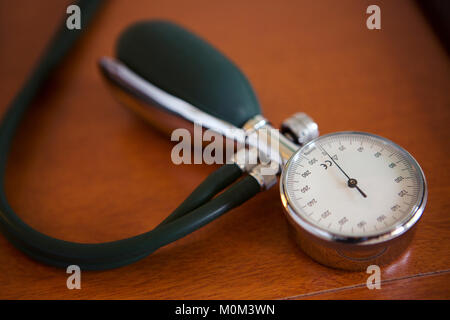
255	123
271	144
266	174
246	159
300	128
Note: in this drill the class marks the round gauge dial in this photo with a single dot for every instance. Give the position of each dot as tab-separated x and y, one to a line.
354	185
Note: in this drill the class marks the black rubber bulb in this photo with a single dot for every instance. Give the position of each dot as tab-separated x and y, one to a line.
184	65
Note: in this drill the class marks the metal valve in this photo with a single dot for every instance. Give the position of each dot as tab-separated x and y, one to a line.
300	128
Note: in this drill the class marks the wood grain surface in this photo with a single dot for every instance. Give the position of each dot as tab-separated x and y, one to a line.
85	169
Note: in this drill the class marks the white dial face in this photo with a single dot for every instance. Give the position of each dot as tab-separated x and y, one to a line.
353	184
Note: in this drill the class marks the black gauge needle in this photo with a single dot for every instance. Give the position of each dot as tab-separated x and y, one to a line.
352	183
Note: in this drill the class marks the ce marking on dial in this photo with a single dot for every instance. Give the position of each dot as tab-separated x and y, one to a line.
327	164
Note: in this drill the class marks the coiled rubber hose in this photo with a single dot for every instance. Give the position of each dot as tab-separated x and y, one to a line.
196	211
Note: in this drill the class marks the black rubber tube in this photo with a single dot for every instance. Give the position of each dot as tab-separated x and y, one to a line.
114	254
195	212
211	186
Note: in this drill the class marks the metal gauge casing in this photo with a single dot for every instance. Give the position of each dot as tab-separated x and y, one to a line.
352	199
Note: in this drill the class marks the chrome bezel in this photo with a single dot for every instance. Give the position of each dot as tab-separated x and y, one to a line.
397	230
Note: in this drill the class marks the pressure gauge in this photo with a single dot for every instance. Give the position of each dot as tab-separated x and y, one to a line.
353	199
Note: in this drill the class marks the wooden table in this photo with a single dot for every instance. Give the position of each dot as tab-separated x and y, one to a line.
84	169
